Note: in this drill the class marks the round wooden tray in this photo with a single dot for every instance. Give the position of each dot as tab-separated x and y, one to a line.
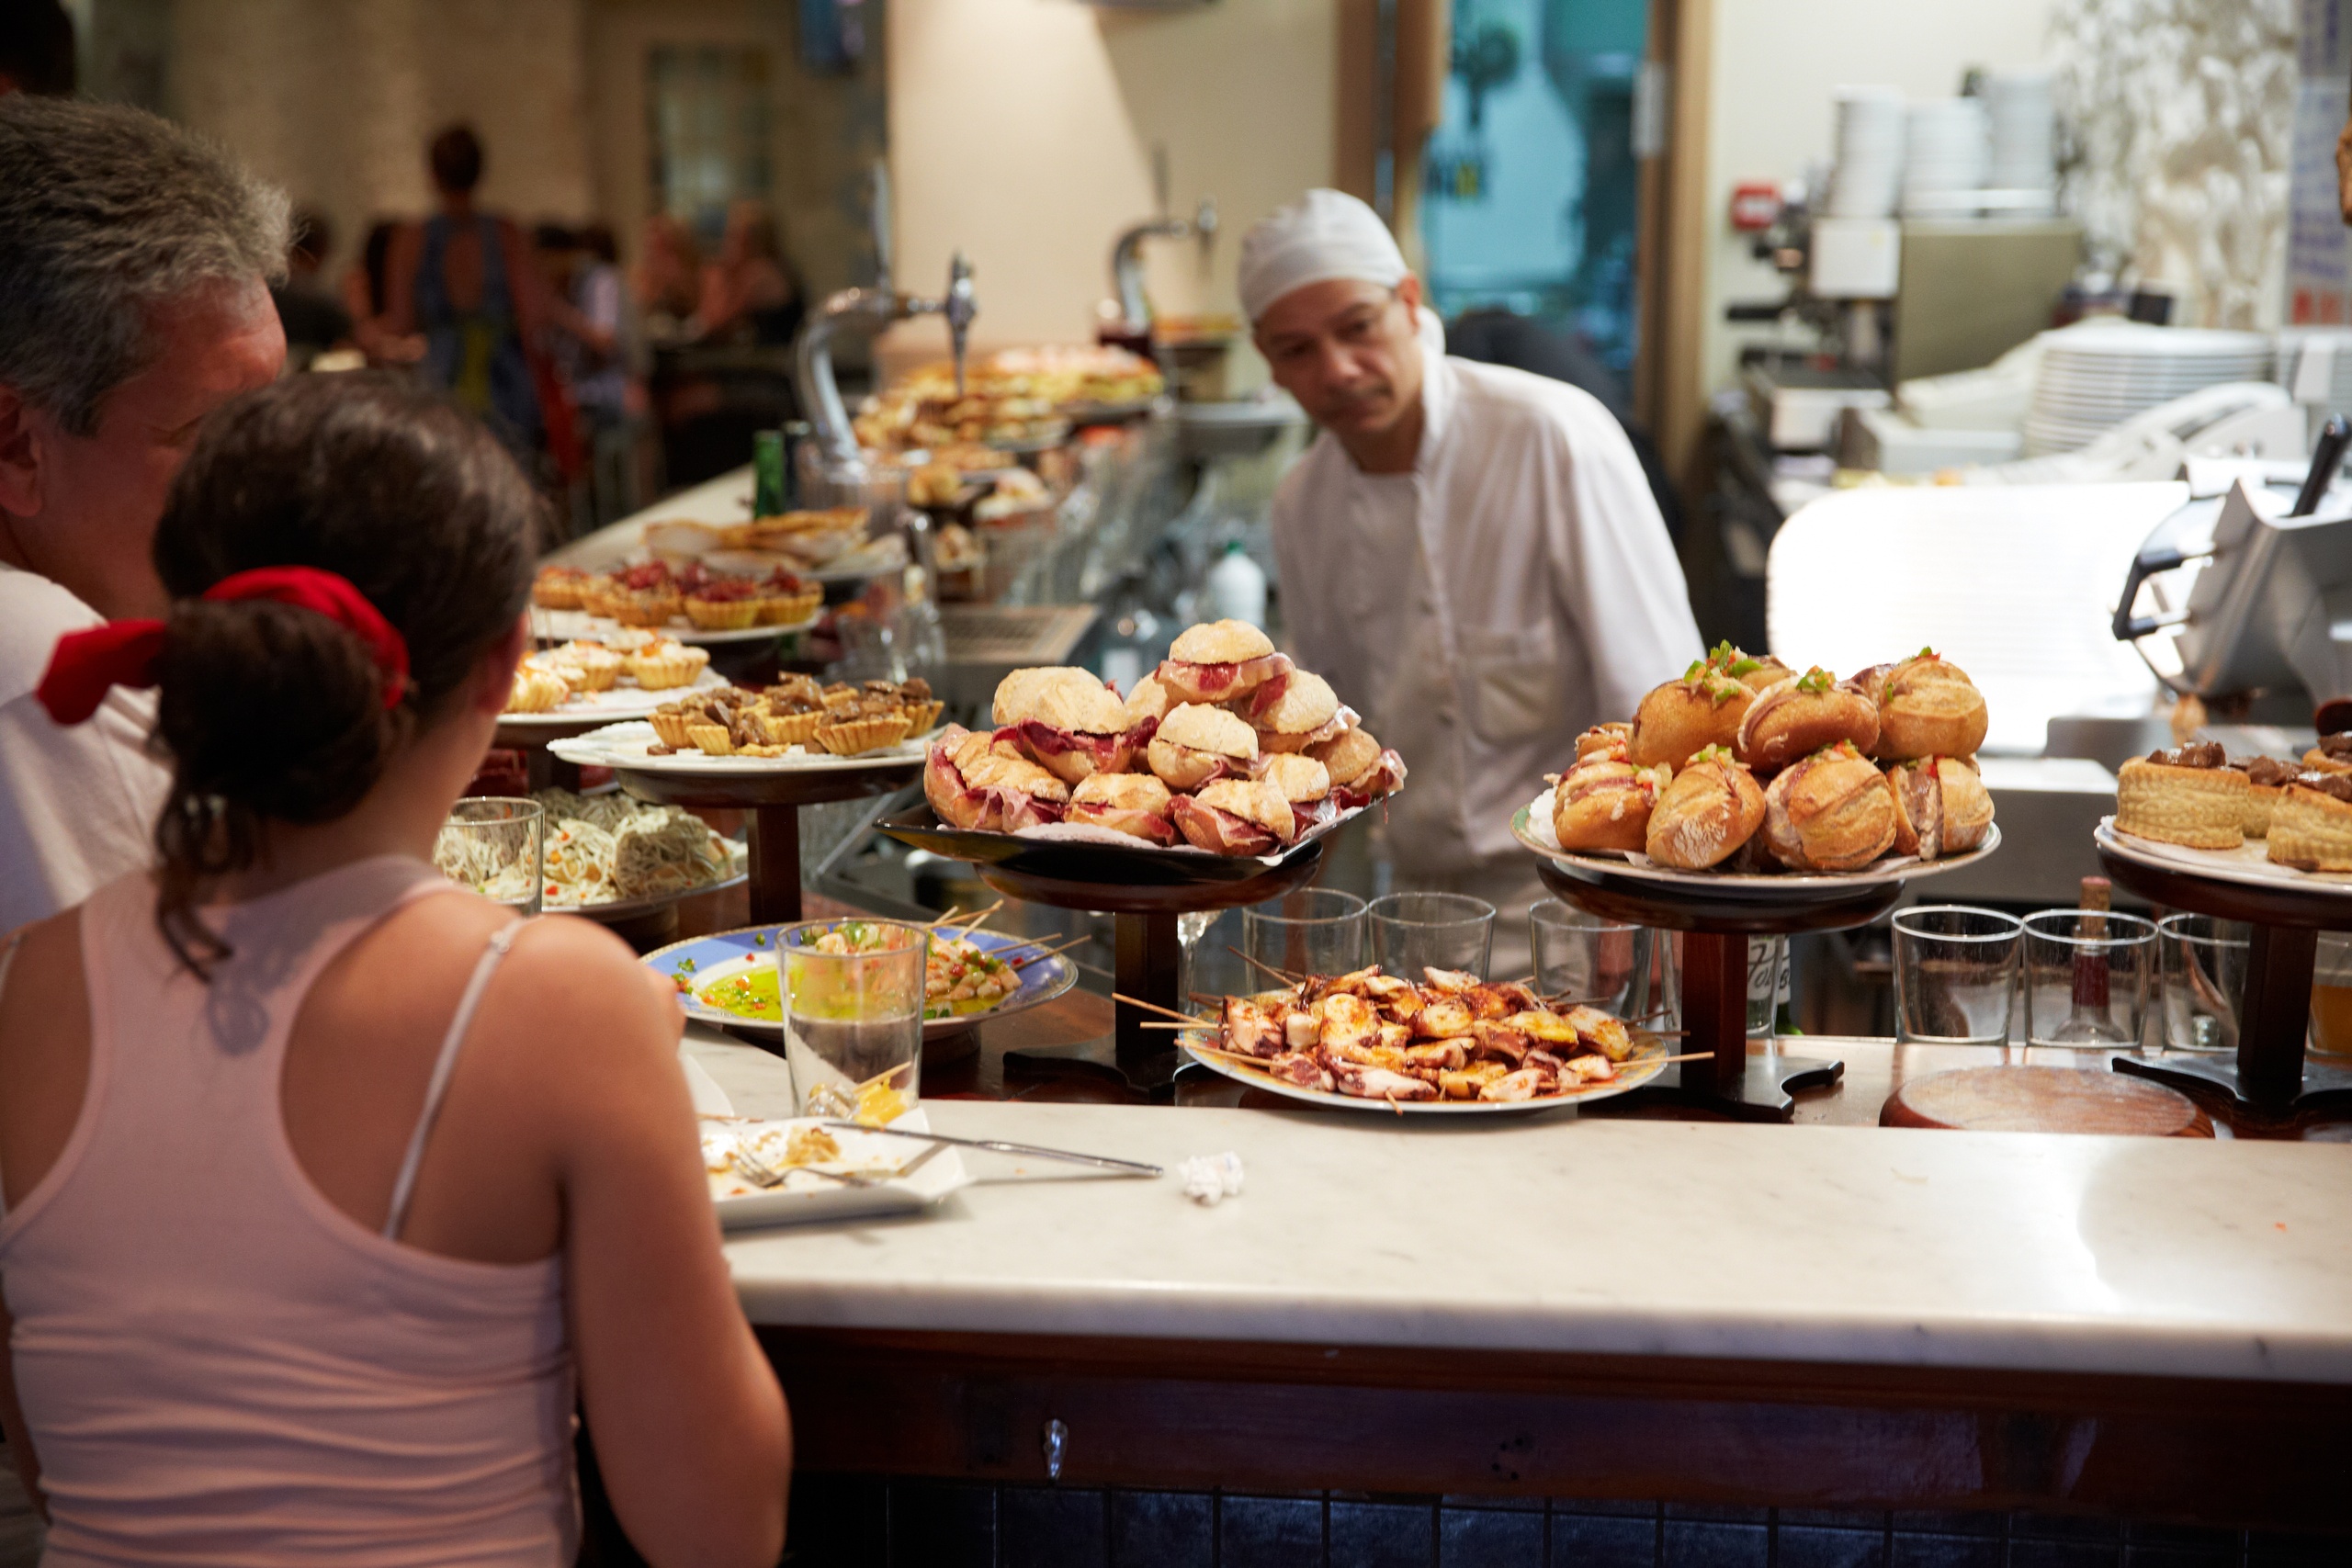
1993	1099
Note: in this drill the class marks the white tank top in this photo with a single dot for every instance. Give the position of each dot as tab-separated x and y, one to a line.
219	1366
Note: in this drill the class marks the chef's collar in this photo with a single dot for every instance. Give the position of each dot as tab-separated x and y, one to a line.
1438	390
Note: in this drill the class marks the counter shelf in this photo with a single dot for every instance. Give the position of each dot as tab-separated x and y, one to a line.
773	801
2268	1075
1716	920
1143	890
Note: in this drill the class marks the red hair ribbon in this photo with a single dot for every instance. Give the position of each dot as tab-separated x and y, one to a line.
87	664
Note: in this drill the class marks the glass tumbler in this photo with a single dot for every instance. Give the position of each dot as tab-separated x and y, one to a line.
2087	975
1955	974
2331	1033
1412	931
497	847
853	1016
1580	957
2204	980
1316	931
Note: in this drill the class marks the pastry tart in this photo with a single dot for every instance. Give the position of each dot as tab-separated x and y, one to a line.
536	690
2310	828
1705	813
2189	797
861	735
1927	707
558	588
2332	755
1831	811
711	739
791	729
2266	779
723	615
666	665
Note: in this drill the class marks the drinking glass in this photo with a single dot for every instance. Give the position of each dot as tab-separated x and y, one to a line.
1955	974
497	847
2088	974
1412	931
2331	1033
2204	980
853	1016
1316	931
1585	959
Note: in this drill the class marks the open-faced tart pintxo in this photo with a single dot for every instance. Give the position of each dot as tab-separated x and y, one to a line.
2332	755
2311	827
2189	797
2266	779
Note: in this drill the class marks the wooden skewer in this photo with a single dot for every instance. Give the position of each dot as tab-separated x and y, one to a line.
1285	975
1206	1025
1154	1007
953	911
1039	957
1033	942
973	923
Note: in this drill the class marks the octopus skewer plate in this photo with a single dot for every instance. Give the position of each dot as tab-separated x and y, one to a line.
1646	1062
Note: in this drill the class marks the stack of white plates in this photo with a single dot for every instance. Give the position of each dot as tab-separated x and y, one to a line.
2097	375
1946	148
1869	153
2024	120
2331	387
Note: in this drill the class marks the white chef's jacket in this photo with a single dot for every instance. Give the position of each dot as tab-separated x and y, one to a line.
1514	589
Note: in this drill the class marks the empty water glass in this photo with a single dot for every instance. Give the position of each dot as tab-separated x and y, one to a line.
496	846
2087	975
2204	980
1316	931
1412	931
1955	974
1583	958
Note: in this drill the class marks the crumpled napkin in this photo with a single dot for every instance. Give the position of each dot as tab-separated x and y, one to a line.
1209	1180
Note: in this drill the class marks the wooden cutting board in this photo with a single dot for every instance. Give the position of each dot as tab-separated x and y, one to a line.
2044	1100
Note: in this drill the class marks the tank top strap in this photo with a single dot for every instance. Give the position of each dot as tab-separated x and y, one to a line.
502	940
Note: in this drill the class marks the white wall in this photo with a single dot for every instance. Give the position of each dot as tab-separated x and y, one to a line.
1776	62
1022	130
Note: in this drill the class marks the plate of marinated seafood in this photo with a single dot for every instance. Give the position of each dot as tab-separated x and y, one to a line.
1227	751
730	978
2254	820
608	856
793	1170
796	722
1450	1044
1745	772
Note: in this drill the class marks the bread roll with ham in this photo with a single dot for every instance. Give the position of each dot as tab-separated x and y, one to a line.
1219	660
1293	711
1831	811
1149	702
1197	744
1361	768
1235	817
1799	716
1705	813
1069	722
1134	803
982	781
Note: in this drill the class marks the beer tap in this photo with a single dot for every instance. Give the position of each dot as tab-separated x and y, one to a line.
871	309
1126	254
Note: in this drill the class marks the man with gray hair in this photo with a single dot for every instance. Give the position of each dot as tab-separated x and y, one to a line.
135	261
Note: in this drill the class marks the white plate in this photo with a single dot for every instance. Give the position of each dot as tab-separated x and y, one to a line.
568	626
623	908
631	701
2249	863
804	1197
1631	1074
1532	825
624	746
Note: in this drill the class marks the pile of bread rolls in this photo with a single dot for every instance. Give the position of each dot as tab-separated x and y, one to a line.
1746	765
1227	746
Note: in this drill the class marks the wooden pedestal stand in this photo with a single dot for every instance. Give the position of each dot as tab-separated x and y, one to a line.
773	801
1148	954
2266	1076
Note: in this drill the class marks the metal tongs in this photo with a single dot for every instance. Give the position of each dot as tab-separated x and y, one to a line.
997	1146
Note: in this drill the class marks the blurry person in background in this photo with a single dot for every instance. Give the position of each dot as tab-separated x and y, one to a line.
313	318
465	280
669	276
36	49
135	264
601	362
365	284
749	294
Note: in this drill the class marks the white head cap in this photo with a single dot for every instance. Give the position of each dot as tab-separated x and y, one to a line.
1322	235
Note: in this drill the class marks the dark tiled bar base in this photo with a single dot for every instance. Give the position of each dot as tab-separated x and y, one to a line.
861	1522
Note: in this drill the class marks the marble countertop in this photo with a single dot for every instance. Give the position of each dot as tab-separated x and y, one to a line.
1859	1245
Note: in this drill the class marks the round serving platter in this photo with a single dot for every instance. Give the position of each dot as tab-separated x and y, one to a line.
699	961
624	746
572	626
630	909
1644	1063
610	706
1098	856
1532	825
2247	866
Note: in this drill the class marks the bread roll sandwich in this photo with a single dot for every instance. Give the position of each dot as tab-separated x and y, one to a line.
2189	797
1305	783
1070	723
1755	672
1133	803
1830	811
1361	768
983	782
1235	817
1941	808
1220	660
1681	718
1196	744
1709	809
1799	716
2266	779
1148	703
2310	828
1610	740
1927	707
1292	711
1604	803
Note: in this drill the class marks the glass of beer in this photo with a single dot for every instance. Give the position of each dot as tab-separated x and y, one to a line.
853	1016
2332	995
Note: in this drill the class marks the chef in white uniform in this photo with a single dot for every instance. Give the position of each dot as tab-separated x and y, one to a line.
1469	553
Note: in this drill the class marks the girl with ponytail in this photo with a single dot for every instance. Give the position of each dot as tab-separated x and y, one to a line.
326	1186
